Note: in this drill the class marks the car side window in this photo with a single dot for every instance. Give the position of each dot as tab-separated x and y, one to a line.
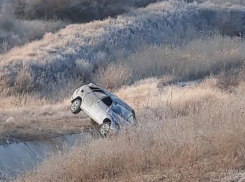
107	101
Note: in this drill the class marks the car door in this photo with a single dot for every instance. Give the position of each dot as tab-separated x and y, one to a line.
97	111
100	108
87	102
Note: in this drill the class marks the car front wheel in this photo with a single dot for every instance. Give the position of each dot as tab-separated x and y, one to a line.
76	106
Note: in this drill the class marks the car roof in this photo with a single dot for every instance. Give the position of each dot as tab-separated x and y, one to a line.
107	93
100	93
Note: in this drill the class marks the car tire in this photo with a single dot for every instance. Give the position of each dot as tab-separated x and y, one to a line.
76	106
104	129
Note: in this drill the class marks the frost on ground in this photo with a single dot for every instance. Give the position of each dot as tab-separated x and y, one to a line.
54	59
190	133
221	2
15	32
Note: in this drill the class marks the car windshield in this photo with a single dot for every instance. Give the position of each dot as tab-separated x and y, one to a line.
123	112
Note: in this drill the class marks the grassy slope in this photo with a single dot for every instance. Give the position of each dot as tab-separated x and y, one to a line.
55	59
184	134
193	133
22	22
193	60
42	118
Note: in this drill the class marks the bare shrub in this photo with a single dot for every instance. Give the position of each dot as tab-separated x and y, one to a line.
4	47
23	82
84	69
227	81
230	79
113	76
7	18
166	80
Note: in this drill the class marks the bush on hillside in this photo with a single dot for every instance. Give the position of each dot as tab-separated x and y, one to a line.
113	76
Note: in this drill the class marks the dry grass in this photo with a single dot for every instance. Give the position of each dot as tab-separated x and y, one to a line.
113	76
41	118
202	144
38	120
172	100
194	60
190	133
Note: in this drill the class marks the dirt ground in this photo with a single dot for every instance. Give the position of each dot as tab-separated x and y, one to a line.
40	123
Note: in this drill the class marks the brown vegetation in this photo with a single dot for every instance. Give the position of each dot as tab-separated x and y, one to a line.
192	131
201	144
113	76
40	120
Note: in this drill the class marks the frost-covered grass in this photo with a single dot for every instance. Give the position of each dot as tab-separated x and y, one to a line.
193	133
22	21
15	32
240	2
76	10
55	59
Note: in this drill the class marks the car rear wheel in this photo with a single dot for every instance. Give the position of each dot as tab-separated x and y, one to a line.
104	129
76	106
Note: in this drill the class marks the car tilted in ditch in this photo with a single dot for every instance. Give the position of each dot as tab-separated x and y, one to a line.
105	108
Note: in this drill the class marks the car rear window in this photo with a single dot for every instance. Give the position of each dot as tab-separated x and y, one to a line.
121	111
107	101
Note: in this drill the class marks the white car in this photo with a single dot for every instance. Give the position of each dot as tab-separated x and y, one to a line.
106	109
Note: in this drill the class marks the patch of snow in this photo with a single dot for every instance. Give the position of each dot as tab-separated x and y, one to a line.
10	120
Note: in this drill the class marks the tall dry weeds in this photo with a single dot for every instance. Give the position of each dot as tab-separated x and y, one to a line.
113	76
202	144
208	140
